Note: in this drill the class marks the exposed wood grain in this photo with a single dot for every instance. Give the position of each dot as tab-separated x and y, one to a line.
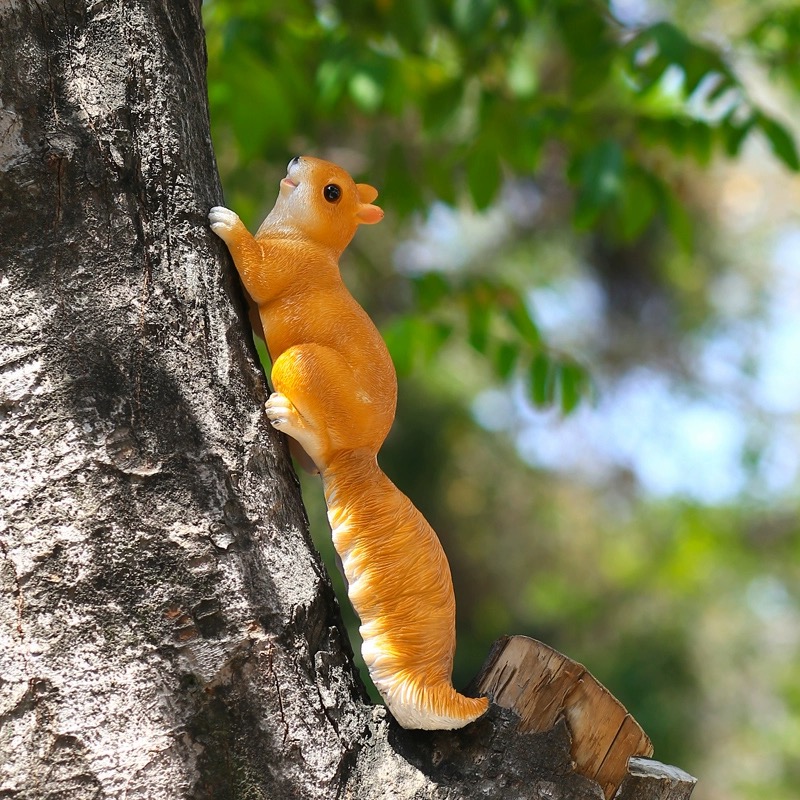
542	686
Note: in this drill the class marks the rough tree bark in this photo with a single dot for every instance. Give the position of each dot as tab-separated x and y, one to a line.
166	628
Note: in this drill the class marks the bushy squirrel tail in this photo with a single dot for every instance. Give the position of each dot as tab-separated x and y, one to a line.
466	708
435	708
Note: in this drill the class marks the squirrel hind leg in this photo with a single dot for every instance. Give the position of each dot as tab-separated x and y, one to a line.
330	412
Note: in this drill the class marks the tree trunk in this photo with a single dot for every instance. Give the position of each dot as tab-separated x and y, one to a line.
166	627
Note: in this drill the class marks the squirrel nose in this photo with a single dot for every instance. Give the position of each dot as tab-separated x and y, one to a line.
294	161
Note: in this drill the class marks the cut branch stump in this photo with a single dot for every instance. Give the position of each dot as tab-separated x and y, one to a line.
543	686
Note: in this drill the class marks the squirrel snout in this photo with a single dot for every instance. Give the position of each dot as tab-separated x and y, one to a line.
293	162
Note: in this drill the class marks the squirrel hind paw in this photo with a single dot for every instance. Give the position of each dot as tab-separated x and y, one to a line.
284	417
280	411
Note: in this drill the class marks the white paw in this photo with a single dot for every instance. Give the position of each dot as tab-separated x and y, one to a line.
280	411
222	220
286	418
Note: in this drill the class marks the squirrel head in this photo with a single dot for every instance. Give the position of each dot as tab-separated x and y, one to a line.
322	202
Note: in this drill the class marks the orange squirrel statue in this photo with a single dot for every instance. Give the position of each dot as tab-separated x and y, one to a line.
335	395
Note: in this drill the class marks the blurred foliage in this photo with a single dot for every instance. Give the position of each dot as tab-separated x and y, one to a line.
519	146
448	98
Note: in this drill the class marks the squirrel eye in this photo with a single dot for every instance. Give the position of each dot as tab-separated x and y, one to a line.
332	193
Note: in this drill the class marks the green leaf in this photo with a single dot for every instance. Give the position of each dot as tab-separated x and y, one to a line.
439	177
471	17
505	357
584	29
484	176
478	322
600	177
672	42
332	75
366	90
442	104
521	74
400	338
676	130
585	32
735	133
637	205
433	335
700	141
267	116
412	337
400	176
408	21
572	385
651	52
541	380
780	140
589	77
525	150
679	221
431	288
519	316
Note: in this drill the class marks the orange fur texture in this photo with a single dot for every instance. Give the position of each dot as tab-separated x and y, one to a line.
335	395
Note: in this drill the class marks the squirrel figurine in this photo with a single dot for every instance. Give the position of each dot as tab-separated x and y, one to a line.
335	391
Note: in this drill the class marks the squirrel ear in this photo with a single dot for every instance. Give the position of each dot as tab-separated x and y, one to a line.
366	193
369	214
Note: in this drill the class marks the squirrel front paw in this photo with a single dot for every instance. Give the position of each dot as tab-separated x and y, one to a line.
223	221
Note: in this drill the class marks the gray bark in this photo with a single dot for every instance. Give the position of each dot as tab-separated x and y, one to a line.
166	627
